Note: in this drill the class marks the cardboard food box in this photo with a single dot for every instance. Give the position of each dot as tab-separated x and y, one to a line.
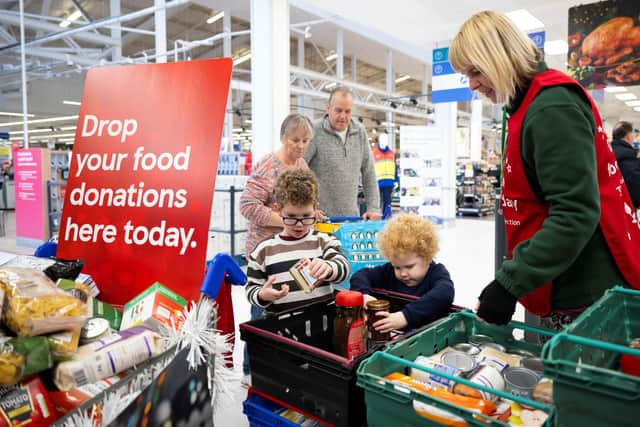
156	305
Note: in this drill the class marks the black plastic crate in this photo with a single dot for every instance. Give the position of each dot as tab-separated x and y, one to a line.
291	359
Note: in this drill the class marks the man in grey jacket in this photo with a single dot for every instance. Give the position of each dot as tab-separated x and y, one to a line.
339	154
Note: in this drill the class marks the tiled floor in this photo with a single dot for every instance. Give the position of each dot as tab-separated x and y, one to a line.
466	249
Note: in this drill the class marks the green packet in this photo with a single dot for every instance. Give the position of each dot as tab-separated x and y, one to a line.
106	311
23	356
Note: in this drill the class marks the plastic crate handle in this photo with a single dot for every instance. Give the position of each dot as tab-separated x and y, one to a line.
574	377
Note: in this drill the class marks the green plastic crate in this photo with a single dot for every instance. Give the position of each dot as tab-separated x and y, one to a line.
391	405
583	360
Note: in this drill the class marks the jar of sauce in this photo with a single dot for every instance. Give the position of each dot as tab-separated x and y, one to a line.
349	325
375	338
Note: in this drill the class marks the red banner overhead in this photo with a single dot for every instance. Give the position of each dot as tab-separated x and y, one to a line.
142	176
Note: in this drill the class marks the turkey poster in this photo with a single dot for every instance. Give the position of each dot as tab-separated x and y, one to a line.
604	44
138	203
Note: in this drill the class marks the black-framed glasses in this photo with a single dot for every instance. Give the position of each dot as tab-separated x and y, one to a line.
306	220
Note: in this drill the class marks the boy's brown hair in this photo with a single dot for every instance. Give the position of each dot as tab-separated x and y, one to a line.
298	187
408	234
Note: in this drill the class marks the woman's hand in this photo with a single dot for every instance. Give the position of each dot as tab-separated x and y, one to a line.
390	321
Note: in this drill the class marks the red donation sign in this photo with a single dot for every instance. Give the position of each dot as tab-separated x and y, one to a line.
142	176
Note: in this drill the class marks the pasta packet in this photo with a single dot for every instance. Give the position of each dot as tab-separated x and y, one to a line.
23	356
35	306
64	344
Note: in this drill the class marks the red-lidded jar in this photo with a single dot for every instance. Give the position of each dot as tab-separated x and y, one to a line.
348	326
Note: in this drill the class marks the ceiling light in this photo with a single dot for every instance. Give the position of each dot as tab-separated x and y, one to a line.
59	135
330	85
403	78
215	17
556	47
331	57
75	15
613	89
625	96
636	108
248	121
70	102
241	59
635	103
19	132
51	119
7	113
69	19
307	32
524	20
374	130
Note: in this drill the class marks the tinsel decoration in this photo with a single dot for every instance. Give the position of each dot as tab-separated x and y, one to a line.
205	344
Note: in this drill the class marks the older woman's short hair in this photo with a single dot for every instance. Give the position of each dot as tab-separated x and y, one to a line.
294	122
492	44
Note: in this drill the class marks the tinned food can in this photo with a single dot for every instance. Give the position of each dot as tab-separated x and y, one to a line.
467	348
459	360
94	329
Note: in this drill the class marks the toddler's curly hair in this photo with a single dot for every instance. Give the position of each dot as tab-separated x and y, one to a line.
298	187
407	234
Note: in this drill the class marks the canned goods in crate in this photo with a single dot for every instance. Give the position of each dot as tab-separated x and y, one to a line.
94	329
520	381
488	376
433	380
459	360
494	346
467	348
479	339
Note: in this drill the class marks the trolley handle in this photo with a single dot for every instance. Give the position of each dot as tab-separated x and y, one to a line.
345	218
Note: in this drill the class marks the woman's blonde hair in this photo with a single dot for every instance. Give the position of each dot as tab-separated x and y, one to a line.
491	43
408	234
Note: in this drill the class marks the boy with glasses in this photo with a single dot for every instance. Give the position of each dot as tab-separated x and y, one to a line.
270	284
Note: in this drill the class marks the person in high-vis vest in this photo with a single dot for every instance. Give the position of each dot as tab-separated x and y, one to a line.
385	167
572	231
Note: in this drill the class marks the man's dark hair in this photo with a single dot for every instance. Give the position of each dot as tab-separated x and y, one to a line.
621	129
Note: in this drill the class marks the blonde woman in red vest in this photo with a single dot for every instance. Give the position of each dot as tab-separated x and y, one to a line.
571	228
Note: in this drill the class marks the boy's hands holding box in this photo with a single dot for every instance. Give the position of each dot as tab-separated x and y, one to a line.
320	269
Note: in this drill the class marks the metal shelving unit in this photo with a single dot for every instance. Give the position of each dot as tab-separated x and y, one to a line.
232	231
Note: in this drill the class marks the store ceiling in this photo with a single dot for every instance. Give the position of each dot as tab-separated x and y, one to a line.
411	27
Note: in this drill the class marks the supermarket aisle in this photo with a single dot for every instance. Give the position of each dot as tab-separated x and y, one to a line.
466	249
